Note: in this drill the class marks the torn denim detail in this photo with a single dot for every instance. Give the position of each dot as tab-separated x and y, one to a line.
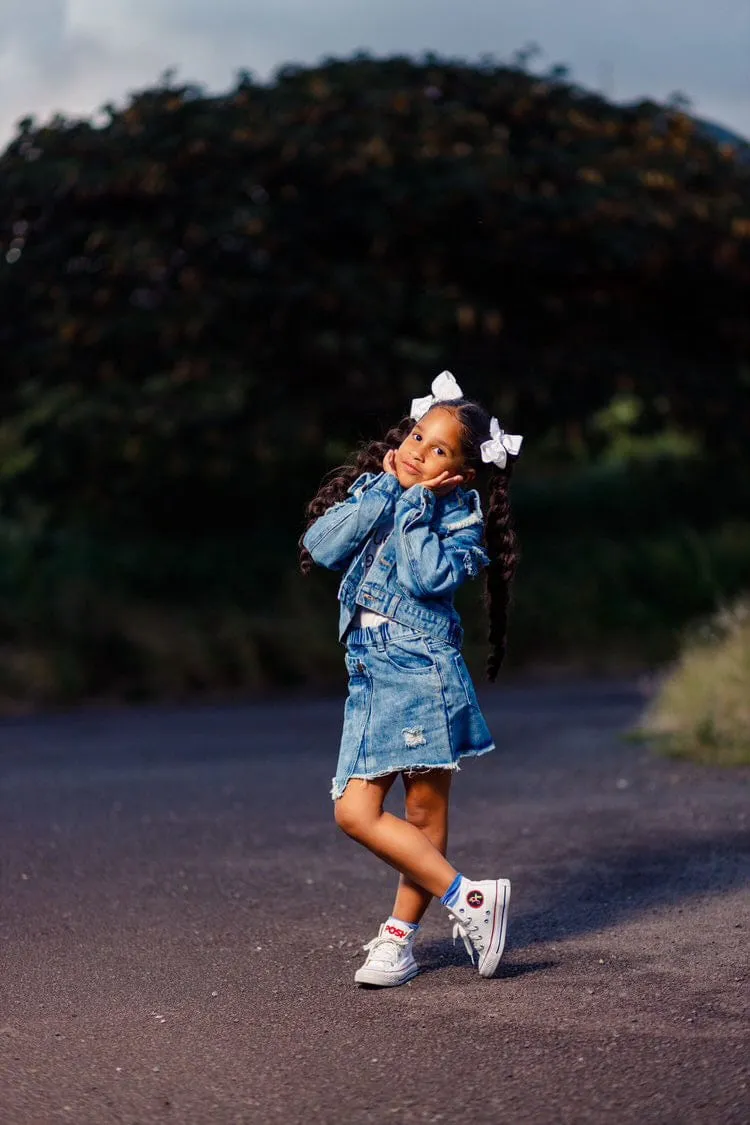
473	559
472	518
414	736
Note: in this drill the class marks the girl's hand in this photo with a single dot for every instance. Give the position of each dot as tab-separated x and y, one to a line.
443	483
389	462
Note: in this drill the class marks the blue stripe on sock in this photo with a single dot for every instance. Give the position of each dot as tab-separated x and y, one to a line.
450	896
406	925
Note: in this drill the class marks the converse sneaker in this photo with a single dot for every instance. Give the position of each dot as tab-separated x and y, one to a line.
480	914
390	959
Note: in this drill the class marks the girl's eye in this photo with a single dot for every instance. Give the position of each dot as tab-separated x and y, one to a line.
417	437
440	451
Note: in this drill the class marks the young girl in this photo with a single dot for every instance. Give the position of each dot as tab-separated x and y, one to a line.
406	534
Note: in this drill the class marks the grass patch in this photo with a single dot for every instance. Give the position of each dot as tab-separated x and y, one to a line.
702	711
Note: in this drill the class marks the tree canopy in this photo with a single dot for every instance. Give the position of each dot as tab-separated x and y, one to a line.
205	300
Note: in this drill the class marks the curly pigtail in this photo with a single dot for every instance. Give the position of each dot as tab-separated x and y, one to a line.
502	547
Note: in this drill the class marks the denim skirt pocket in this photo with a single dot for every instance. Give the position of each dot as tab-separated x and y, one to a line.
465	680
409	654
357	710
469	730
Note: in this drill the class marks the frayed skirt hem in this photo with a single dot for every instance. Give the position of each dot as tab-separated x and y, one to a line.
338	787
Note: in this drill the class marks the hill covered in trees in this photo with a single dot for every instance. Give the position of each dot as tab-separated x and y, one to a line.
205	295
205	301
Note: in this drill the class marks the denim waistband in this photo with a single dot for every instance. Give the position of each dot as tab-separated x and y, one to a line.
377	635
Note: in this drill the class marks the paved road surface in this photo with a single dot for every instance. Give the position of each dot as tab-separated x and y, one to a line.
181	921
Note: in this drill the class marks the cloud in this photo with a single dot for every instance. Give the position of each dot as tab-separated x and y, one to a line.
74	55
50	61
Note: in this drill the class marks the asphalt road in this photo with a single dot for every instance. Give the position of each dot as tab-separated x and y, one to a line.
180	923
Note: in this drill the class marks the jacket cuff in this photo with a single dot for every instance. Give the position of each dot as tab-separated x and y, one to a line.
388	484
419	497
384	483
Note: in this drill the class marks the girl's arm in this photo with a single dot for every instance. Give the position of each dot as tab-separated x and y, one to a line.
335	535
428	565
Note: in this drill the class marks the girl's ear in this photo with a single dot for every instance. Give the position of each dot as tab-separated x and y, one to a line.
468	475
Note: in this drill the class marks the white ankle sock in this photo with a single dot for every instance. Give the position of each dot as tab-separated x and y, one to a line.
397	928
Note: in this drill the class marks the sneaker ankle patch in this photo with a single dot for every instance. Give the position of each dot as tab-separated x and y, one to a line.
475	899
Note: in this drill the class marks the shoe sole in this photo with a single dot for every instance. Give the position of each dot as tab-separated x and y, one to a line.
499	928
374	979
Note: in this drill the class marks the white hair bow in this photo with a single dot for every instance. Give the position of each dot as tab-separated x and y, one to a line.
496	449
444	389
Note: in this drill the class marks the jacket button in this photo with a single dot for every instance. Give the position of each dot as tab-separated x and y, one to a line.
360	666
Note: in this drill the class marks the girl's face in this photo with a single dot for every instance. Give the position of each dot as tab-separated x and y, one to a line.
431	448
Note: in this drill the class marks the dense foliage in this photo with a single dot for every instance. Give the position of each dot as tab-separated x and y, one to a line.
205	300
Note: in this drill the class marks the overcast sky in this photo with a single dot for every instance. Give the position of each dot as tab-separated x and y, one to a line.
75	55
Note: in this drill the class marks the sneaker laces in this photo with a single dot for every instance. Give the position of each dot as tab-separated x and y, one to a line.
386	948
469	933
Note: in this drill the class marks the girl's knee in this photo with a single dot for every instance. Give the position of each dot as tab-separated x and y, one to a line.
352	816
426	806
345	817
422	814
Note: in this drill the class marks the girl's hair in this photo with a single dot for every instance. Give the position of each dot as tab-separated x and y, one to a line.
500	536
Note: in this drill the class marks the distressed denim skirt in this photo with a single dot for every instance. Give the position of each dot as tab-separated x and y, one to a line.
411	706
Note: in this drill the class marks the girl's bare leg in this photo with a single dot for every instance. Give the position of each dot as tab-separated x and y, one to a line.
359	813
427	809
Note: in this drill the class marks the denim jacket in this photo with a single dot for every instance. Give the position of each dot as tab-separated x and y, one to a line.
436	543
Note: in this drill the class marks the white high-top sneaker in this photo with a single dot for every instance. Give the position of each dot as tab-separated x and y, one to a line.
481	917
390	959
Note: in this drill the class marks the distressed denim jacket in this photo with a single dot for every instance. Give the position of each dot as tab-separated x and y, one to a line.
436	543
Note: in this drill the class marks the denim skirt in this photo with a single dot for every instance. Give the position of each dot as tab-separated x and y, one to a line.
411	706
